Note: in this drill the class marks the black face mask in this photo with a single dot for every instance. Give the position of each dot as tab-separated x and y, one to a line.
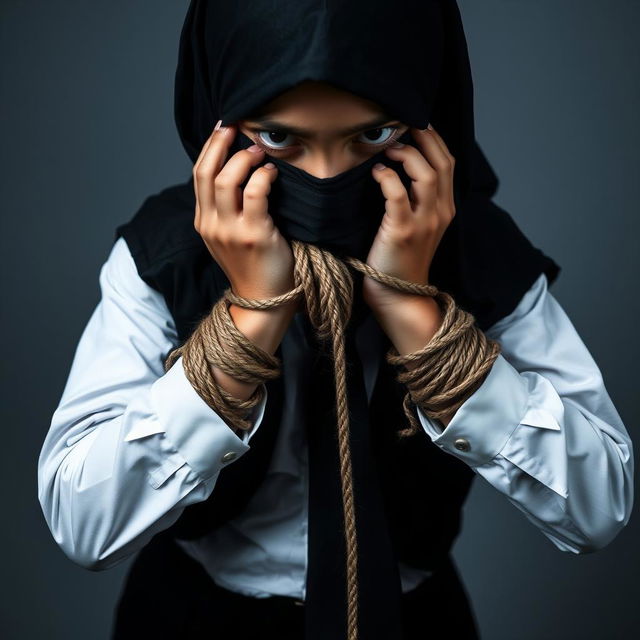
341	214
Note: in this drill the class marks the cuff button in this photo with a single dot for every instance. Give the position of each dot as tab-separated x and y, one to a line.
228	457
462	444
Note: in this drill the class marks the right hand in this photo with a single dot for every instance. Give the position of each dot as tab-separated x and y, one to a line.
235	224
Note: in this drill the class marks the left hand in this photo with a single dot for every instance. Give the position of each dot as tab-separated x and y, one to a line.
413	225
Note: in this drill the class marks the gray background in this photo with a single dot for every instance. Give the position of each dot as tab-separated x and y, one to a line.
88	133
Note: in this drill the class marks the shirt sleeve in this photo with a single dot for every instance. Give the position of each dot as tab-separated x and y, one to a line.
543	430
129	446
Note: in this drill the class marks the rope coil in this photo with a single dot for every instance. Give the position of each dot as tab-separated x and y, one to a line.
447	370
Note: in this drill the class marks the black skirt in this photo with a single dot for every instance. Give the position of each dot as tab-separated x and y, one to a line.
168	595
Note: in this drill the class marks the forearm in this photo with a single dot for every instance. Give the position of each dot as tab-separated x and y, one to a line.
266	329
410	322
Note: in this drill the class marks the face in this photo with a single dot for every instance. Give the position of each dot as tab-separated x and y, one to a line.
321	129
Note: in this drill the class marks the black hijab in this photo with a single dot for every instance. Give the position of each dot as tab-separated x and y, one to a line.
410	57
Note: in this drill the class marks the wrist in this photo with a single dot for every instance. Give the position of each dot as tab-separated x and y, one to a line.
263	327
410	321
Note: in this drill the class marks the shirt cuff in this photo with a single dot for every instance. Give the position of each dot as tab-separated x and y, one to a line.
205	441
483	424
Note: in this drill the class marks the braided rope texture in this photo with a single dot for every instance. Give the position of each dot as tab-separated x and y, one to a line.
446	371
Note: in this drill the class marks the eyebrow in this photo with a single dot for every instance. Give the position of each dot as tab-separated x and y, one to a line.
266	123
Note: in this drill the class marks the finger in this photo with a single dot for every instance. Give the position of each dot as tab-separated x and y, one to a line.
438	159
452	160
204	149
424	177
255	194
442	143
227	183
397	205
208	166
194	171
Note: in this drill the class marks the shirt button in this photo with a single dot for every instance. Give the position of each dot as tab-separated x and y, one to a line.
462	444
228	457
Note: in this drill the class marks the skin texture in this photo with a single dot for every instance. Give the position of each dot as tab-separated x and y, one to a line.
241	236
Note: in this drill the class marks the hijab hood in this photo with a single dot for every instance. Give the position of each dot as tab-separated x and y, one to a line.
408	56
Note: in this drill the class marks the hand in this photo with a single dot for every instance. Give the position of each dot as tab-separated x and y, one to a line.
235	224
412	226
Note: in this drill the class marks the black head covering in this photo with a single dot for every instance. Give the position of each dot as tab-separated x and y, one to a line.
408	56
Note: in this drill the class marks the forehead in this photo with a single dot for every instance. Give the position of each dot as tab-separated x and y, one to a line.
313	97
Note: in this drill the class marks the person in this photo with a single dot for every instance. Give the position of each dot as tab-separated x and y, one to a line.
138	461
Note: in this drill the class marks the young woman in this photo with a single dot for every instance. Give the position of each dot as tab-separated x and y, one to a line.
276	473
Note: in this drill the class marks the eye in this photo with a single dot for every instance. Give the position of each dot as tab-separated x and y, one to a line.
377	136
277	141
274	139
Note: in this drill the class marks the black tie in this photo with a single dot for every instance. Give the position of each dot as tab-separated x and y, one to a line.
379	587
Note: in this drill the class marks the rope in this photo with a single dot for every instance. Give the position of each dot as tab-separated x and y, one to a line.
447	370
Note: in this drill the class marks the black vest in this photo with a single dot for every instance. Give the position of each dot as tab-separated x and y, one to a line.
424	487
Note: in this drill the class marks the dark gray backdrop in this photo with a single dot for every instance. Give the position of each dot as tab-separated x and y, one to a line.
88	133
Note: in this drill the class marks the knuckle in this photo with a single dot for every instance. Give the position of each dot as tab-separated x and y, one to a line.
253	192
250	239
404	238
396	198
220	237
201	172
432	223
431	177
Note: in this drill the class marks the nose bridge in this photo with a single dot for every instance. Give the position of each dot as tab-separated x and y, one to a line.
327	160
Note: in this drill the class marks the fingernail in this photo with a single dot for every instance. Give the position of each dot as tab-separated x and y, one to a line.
378	165
429	127
254	148
269	165
217	125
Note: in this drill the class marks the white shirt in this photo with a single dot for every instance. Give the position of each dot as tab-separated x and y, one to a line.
129	446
